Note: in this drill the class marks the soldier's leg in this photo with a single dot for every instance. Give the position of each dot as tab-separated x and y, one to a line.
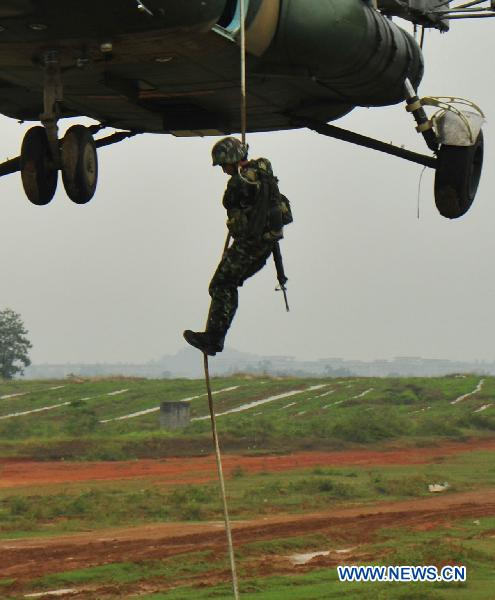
224	295
258	261
242	260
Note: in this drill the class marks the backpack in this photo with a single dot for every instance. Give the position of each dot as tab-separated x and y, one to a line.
264	216
280	212
285	210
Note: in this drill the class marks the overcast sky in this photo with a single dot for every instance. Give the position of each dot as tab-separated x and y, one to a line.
120	278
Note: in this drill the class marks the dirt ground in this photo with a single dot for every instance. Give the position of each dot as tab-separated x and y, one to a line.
348	528
16	473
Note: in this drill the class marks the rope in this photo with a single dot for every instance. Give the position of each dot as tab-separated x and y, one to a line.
235	585
243	92
243	73
228	531
419	187
447	103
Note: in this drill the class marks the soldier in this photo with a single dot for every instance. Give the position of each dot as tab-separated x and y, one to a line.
256	214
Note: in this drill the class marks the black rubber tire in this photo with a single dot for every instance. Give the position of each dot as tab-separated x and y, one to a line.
79	164
457	177
39	177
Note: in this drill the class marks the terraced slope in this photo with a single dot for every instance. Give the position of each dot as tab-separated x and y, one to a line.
253	413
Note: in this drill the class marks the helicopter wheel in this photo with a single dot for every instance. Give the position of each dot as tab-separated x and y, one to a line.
457	177
39	176
79	164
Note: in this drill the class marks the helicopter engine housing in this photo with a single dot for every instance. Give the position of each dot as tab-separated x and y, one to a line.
349	47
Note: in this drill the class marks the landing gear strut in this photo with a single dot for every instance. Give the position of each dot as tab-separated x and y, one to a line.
458	146
42	154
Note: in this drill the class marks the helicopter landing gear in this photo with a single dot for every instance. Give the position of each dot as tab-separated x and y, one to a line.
40	153
457	177
38	173
456	137
79	164
43	155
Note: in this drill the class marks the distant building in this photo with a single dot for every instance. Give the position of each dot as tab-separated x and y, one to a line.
188	363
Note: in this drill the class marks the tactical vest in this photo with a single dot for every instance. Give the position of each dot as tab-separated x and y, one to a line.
256	209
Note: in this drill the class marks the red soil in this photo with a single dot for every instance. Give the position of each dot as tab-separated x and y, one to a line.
15	473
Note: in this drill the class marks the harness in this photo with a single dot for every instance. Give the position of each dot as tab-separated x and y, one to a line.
256	208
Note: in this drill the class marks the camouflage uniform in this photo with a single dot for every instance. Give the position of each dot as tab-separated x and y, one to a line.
252	245
256	214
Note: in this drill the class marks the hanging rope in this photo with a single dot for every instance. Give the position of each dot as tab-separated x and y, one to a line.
243	73
235	585
419	187
243	90
228	531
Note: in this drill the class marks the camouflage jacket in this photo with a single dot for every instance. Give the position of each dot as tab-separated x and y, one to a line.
247	201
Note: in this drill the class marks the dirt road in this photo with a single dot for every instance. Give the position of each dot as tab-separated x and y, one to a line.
16	473
28	558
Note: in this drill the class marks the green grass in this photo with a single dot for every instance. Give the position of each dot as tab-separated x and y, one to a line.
283	546
414	411
96	505
175	568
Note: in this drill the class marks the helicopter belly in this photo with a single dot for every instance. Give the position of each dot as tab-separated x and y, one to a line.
177	74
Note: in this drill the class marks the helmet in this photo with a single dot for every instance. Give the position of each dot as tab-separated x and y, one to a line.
228	151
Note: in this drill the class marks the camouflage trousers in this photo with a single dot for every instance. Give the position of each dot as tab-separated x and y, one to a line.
242	260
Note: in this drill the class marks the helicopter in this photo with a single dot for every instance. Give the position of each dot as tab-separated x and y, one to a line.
165	67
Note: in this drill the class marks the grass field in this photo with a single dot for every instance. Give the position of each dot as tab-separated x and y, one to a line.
62	420
57	509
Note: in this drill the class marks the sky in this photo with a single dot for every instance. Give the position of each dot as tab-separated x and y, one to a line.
119	279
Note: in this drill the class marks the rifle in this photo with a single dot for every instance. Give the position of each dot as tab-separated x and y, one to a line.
282	279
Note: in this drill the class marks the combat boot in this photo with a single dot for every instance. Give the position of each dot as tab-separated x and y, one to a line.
206	341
